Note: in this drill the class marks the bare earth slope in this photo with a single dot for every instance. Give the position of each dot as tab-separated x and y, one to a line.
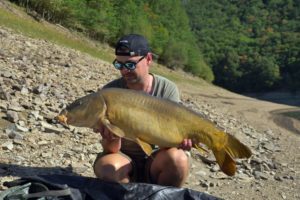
38	78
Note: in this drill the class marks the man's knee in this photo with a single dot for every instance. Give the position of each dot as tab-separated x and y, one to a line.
105	172
176	157
172	159
170	167
113	167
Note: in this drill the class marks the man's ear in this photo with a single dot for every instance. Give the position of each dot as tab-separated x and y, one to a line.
149	58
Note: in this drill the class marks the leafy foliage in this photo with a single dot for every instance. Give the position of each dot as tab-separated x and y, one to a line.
164	22
244	46
252	45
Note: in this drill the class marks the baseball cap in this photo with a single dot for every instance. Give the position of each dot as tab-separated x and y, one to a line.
132	45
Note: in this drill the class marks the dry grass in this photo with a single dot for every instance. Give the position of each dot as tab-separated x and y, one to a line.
20	22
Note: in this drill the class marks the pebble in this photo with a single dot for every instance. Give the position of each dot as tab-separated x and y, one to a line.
7	145
3	105
12	134
15	107
48	128
12	116
43	142
21	128
201	173
215	168
260	175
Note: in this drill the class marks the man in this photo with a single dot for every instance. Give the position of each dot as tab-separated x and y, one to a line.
123	160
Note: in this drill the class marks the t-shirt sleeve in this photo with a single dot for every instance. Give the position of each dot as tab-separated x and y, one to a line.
172	92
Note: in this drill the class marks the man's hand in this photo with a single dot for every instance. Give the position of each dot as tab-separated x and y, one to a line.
110	142
105	133
186	145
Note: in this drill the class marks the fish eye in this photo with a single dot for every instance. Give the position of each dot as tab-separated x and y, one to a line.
74	104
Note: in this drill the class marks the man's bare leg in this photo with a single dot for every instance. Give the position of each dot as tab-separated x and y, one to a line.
113	167
170	167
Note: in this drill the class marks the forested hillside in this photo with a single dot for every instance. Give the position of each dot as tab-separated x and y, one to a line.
244	46
250	45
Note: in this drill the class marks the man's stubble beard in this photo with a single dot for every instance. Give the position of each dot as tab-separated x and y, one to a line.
134	80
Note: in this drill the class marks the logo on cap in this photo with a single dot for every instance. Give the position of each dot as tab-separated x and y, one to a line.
132	45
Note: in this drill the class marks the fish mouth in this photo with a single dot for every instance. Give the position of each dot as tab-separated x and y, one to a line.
62	119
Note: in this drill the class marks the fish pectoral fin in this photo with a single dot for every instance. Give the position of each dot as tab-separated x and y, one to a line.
145	146
201	149
112	128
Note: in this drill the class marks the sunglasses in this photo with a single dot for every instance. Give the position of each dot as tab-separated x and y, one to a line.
129	65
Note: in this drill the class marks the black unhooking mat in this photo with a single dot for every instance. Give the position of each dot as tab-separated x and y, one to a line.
64	187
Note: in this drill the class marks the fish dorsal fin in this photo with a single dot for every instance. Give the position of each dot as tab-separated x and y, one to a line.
145	146
112	128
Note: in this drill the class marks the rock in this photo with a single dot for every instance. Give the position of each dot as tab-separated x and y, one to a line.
7	74
3	105
215	168
24	91
283	195
18	142
21	128
204	184
49	128
15	135
7	145
278	178
14	106
219	175
35	114
77	149
260	175
12	116
78	168
244	177
43	142
42	88
269	146
201	173
256	160
4	95
46	154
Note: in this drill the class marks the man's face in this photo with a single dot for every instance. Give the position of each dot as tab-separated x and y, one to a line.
139	73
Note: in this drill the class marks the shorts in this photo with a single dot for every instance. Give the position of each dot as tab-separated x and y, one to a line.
140	167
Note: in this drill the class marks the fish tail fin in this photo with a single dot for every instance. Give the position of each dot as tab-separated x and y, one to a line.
226	162
232	149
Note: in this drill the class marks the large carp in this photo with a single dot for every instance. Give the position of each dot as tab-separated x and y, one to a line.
149	120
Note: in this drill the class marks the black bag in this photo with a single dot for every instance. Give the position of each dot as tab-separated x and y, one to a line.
63	187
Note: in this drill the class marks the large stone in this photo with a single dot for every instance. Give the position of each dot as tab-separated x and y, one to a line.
12	116
8	145
4	95
49	128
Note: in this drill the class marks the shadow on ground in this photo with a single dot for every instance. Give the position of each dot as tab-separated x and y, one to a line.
21	171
